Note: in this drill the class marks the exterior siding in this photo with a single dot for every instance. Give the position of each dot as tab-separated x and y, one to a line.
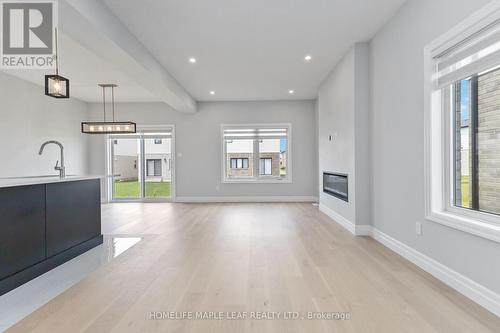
248	172
239	173
489	142
126	167
275	164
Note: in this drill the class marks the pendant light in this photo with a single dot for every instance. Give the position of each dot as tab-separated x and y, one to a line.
108	127
55	85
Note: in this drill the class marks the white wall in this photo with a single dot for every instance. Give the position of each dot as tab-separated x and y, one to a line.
343	111
198	144
398	140
362	127
336	118
27	119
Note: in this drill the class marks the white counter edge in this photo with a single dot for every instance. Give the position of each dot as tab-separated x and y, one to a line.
13	182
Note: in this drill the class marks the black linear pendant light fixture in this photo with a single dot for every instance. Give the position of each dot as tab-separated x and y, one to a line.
108	127
55	85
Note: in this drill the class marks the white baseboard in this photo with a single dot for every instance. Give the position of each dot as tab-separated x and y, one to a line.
363	230
338	218
469	288
234	199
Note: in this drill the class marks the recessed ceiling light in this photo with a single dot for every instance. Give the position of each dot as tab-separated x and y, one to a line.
291	92
192	60
212	92
307	58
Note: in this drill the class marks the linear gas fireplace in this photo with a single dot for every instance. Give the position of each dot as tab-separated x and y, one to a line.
336	184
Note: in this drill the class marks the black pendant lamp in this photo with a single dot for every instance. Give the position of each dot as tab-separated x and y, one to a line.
55	85
108	127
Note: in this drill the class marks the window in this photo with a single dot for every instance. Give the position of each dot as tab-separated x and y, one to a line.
463	126
239	163
476	162
158	141
266	166
153	168
256	153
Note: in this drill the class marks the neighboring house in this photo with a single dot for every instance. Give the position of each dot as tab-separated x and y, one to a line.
240	158
489	141
125	167
486	150
240	164
158	162
158	167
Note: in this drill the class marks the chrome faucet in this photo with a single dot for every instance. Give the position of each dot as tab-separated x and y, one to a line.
62	168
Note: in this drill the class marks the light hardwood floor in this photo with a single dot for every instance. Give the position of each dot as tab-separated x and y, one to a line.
252	257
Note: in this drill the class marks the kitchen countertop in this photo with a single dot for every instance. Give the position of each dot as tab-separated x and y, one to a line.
22	181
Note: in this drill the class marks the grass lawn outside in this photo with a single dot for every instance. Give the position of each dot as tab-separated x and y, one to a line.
132	189
465	192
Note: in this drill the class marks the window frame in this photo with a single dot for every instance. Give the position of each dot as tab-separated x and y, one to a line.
257	178
439	143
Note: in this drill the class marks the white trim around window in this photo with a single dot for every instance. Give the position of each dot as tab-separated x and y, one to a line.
246	130
438	152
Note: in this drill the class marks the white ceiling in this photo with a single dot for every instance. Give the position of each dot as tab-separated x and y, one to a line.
252	50
85	70
245	50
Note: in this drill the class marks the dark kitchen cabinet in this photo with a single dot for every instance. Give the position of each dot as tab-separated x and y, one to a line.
22	228
73	214
43	226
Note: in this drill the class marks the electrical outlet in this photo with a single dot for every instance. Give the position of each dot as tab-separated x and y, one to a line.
418	228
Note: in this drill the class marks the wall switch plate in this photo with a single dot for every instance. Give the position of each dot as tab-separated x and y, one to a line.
418	228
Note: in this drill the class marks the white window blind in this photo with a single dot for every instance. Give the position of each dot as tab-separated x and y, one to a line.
474	54
255	133
144	134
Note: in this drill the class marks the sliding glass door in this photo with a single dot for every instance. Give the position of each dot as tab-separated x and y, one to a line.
141	166
158	166
125	167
